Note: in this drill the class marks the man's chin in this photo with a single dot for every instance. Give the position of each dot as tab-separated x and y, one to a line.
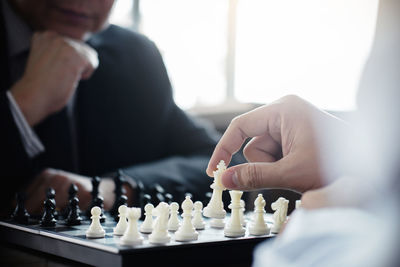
71	32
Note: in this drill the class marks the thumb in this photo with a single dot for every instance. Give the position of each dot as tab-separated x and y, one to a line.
250	176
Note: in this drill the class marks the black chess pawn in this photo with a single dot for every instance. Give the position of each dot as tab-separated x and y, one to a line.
122	200
20	214
48	219
119	190
51	194
73	215
72	191
99	202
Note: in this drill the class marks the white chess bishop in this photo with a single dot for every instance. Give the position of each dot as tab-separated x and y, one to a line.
187	232
280	207
259	226
122	222
234	228
215	208
147	225
160	230
95	229
132	236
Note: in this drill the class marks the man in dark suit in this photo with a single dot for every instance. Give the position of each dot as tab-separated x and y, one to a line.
63	121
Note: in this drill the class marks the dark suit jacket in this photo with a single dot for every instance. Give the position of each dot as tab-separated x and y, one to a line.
124	117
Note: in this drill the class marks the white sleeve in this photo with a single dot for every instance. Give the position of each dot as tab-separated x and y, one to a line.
33	146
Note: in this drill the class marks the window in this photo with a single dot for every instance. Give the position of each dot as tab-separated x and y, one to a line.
219	51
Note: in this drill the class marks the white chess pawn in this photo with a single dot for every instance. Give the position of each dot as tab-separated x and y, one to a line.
173	222
160	230
217	223
186	232
258	226
234	228
147	225
215	208
198	221
131	236
122	222
243	208
280	207
95	229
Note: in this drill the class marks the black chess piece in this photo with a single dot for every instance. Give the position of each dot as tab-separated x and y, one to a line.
20	214
122	200
74	211
72	191
94	193
168	198
48	219
119	190
51	194
99	202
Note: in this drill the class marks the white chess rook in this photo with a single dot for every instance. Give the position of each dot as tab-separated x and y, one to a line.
186	232
95	229
198	221
259	226
160	232
280	207
215	208
122	222
131	236
147	225
173	222
234	227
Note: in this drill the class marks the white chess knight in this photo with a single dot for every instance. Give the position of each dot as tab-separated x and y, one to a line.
147	225
215	208
197	220
131	236
234	228
259	226
122	222
186	232
280	207
173	222
95	229
160	230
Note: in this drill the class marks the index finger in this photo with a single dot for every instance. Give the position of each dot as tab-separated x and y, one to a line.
253	123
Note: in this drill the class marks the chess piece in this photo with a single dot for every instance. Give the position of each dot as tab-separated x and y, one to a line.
147	225
74	211
280	207
99	202
198	221
173	222
51	194
94	193
217	223
122	223
298	204
186	232
20	214
259	226
122	200
241	214
72	191
160	232
48	219
215	208
234	228
168	198
119	191
131	236
95	229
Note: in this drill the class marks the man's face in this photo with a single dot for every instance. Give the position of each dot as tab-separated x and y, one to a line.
73	18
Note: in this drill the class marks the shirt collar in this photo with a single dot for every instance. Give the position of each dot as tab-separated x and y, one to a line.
17	31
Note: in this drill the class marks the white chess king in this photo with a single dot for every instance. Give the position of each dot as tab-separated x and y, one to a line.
215	208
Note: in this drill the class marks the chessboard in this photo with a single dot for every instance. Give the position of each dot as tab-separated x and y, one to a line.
70	242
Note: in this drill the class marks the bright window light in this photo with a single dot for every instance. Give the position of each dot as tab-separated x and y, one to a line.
313	48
